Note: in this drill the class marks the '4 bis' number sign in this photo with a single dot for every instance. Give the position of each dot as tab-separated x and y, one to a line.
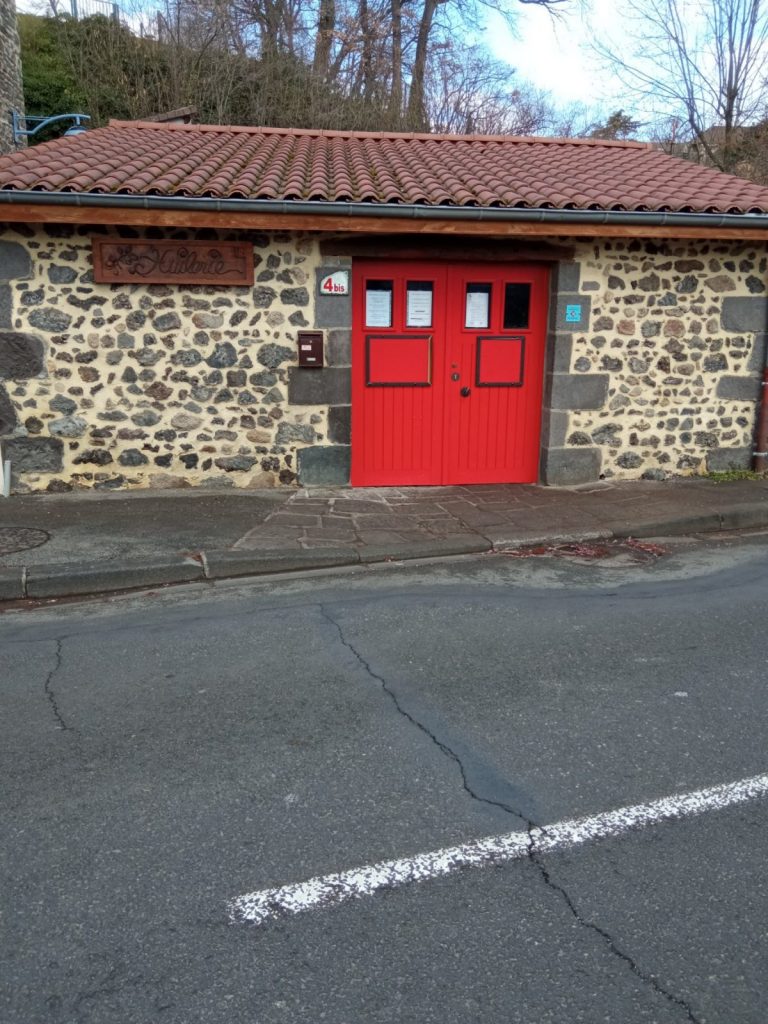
335	284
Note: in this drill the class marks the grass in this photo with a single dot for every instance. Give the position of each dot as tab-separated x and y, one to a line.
735	474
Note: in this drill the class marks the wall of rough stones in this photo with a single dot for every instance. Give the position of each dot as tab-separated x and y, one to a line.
11	94
111	386
107	386
661	375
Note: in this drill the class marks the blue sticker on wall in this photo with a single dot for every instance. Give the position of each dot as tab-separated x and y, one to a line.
573	314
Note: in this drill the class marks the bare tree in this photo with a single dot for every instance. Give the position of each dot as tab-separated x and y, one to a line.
702	62
469	92
336	64
456	15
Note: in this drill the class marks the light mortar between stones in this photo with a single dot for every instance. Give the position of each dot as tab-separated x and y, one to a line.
163	385
656	330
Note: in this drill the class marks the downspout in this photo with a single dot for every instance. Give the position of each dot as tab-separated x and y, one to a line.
760	454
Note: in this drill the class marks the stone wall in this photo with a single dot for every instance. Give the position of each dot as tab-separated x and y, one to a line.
11	94
106	386
111	386
661	374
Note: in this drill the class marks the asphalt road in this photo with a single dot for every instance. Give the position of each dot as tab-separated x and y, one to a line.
164	753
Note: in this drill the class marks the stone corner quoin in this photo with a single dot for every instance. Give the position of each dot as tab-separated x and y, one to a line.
128	386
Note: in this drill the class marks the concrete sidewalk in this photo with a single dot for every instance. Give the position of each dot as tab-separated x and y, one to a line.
63	545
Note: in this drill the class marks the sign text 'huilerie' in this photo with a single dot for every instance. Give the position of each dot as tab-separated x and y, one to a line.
169	261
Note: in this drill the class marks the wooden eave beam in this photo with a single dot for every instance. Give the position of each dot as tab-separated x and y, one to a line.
442	247
31	213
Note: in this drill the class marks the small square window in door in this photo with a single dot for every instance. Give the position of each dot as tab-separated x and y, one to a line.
517	306
398	360
500	362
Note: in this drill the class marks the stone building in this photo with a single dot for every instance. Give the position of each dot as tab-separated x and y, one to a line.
465	309
11	92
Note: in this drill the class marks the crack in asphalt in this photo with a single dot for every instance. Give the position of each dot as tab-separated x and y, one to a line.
536	859
63	725
115	982
440	744
48	688
534	855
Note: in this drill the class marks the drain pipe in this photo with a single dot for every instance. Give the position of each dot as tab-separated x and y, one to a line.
760	454
5	475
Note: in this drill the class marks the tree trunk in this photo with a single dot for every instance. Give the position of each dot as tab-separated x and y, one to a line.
366	55
326	26
416	118
396	95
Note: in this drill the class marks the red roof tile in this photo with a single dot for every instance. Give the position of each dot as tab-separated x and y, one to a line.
134	157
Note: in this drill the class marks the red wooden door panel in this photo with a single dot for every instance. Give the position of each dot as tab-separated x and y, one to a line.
447	372
493	412
397	373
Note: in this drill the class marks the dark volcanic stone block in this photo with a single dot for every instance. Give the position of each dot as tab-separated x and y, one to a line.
582	391
324	466
744	314
331	310
15	261
741	389
6	306
339	424
34	454
8	418
330	386
338	348
21	355
565	467
722	460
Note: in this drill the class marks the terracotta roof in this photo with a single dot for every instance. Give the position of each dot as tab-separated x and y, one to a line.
145	158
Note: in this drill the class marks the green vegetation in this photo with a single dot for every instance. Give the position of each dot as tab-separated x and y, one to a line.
735	474
99	67
49	82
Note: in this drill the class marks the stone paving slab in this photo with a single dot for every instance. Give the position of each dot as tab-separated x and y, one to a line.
503	515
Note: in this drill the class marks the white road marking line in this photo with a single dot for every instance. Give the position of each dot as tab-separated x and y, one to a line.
330	890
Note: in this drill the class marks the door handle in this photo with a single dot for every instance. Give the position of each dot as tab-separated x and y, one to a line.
465	392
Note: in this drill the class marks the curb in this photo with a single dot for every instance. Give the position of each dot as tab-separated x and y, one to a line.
228	564
69	579
75	579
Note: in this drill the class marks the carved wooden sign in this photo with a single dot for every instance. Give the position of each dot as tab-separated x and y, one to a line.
141	261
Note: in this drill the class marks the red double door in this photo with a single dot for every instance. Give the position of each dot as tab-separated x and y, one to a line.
448	367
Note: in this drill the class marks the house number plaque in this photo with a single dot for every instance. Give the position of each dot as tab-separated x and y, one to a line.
126	261
335	284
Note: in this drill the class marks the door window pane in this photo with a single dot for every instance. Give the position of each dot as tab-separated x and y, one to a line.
478	306
419	304
378	304
517	304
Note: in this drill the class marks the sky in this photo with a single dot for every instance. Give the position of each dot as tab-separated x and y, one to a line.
553	54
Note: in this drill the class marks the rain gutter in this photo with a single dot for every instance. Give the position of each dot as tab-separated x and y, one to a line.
412	211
